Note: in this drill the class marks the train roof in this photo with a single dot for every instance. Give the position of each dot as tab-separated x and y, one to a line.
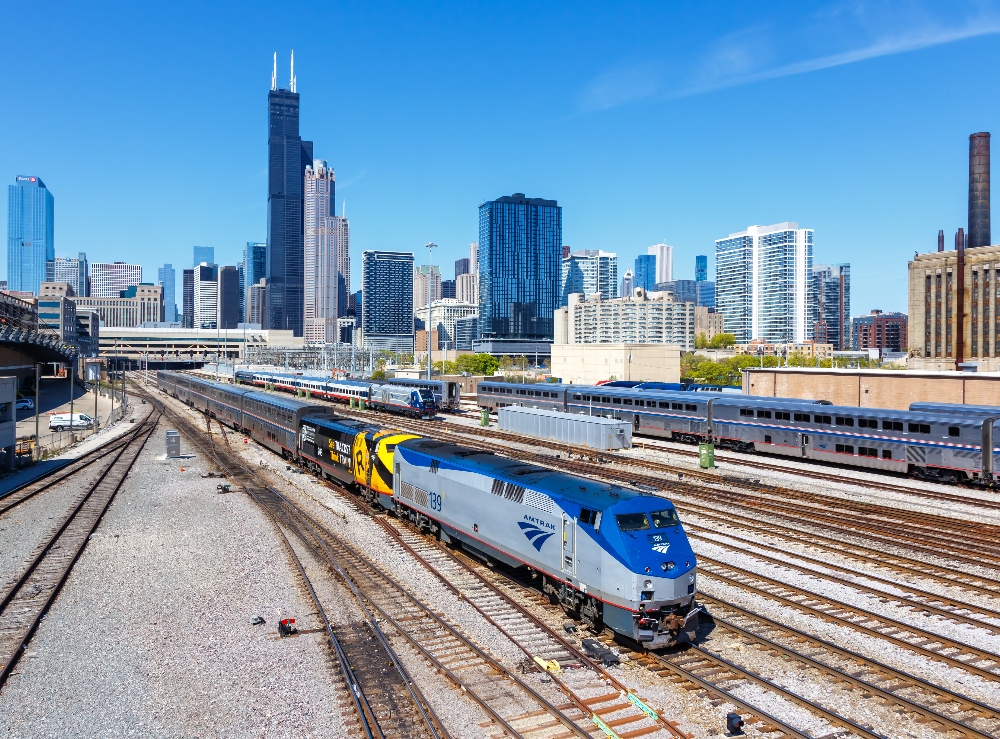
282	401
956	408
339	422
581	490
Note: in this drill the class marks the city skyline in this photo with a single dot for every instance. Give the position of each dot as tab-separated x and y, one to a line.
664	181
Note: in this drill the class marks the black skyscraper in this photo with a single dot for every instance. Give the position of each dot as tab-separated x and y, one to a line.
288	156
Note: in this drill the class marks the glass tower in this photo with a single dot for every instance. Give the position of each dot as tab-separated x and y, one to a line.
589	271
645	271
701	267
288	157
203	254
520	255
30	234
166	276
254	268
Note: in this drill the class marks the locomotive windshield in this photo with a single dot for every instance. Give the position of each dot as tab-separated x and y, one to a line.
632	521
426	395
665	519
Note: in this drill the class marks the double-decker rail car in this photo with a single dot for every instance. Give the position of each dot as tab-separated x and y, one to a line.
447	393
610	555
956	409
495	395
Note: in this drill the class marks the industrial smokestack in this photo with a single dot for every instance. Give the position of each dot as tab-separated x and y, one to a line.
941	240
959	296
979	190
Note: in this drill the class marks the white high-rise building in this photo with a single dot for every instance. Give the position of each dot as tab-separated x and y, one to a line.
343	262
321	262
590	271
108	279
762	282
206	295
74	271
628	283
467	288
474	258
664	254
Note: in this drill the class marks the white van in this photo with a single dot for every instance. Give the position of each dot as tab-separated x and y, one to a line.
61	421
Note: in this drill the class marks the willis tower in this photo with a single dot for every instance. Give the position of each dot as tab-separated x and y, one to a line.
287	158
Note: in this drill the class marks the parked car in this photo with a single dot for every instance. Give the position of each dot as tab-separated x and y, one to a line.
61	421
24	403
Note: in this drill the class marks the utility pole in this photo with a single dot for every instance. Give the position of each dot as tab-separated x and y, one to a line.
431	246
38	383
72	372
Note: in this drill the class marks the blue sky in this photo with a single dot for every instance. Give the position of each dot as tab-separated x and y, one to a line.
646	121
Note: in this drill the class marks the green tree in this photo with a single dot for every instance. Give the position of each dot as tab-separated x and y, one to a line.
701	341
379	374
722	341
478	364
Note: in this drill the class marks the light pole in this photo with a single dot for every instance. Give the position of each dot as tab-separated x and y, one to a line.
72	374
431	246
38	382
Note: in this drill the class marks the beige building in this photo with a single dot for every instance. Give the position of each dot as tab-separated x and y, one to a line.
145	305
445	312
707	321
954	309
588	364
894	389
467	288
641	318
192	343
809	349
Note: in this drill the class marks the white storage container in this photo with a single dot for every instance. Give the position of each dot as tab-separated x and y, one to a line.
596	432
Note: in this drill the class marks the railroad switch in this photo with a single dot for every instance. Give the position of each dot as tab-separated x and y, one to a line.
734	724
286	627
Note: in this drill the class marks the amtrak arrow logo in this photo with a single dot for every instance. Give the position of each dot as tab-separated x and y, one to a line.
661	548
535	535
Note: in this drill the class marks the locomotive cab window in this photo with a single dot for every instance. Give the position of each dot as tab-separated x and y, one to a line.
632	521
954	431
665	519
588	516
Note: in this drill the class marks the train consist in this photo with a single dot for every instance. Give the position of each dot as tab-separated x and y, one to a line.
422	398
609	555
933	441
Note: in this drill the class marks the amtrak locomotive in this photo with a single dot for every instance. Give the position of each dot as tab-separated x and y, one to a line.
609	555
932	441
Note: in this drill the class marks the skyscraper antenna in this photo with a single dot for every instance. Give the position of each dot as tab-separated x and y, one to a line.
292	84
274	73
343	209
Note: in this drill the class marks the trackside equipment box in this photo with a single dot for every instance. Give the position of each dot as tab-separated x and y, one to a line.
596	432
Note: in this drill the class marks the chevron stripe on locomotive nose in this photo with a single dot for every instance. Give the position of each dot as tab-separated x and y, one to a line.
535	535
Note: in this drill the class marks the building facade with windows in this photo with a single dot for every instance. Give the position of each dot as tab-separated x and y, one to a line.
206	296
387	305
108	279
467	288
954	303
628	283
166	277
132	307
187	295
762	282
426	285
878	330
321	296
203	254
589	271
74	271
830	305
701	268
664	255
30	234
445	313
642	318
645	272
288	157
519	259
229	297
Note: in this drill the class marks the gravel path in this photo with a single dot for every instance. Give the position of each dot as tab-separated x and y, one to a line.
151	635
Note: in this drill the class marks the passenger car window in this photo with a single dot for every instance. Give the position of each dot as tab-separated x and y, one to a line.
845	421
632	521
746	412
918	428
664	405
954	431
821	419
628	401
665	519
802	417
690	407
763	414
781	416
676	406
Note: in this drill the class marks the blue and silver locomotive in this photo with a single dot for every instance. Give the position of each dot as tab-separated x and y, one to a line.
608	554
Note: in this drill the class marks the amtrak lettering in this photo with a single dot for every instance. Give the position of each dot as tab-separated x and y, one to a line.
533	529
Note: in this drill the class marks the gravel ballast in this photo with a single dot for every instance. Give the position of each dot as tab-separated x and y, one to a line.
151	634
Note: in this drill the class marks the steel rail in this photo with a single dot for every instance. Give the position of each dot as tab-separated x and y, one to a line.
56	558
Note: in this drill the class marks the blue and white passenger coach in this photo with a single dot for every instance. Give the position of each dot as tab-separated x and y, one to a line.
606	553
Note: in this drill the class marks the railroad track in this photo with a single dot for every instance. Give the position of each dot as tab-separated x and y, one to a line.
516	707
934	647
929	702
30	596
29	489
620	709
